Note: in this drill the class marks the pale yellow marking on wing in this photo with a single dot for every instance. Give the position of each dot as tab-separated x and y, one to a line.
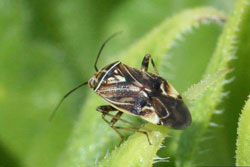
152	117
148	90
120	78
173	92
144	93
147	107
163	89
111	80
116	79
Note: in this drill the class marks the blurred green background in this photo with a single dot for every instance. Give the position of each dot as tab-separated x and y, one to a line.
48	47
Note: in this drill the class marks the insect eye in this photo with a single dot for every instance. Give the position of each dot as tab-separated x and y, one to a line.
92	82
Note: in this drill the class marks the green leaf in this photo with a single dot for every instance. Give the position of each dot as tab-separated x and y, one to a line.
137	151
243	140
197	90
189	152
88	140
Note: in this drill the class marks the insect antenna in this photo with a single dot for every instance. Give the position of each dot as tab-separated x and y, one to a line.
103	45
64	97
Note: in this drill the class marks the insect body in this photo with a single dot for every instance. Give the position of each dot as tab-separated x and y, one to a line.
141	93
136	92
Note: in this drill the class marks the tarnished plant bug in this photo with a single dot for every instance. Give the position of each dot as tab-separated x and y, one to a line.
136	92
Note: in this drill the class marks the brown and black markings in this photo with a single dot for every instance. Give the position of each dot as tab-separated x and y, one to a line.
143	94
136	92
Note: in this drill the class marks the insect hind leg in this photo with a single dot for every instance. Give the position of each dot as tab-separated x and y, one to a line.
145	62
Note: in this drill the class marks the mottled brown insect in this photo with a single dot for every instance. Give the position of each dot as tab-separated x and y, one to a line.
139	93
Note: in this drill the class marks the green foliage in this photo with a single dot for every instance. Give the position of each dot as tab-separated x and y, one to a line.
48	47
137	151
243	141
205	106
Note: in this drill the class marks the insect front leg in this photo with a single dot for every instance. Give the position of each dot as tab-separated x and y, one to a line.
145	62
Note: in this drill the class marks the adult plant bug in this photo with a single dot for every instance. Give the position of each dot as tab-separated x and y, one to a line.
136	92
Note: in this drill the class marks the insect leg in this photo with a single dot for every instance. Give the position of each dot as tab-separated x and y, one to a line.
116	118
134	130
105	110
127	122
121	136
145	61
